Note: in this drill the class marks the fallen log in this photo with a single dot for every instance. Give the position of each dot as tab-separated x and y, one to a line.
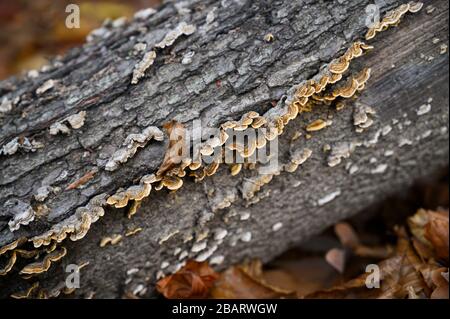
65	130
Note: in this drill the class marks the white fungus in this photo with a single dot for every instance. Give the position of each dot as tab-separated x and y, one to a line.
142	66
183	255
49	84
22	213
386	130
380	169
182	29
42	193
353	169
246	237
206	254
5	106
216	260
277	226
164	264
220	234
328	198
341	150
132	271
144	14
404	141
197	247
388	153
424	109
131	144
187	57
32	74
76	121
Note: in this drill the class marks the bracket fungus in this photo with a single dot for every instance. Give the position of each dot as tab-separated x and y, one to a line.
131	145
5	106
76	121
297	159
44	265
111	240
341	150
142	66
361	117
328	198
20	143
47	85
135	192
9	265
393	17
182	29
76	225
27	293
22	213
316	125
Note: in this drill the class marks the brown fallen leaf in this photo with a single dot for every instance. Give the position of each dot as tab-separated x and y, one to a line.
437	233
440	280
246	282
194	280
176	148
336	257
431	230
399	277
302	273
83	180
346	234
348	238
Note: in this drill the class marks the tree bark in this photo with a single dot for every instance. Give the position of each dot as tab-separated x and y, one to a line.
234	71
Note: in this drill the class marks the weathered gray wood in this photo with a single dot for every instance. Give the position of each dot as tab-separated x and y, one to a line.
252	74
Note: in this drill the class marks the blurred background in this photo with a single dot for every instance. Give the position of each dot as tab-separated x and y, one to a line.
33	31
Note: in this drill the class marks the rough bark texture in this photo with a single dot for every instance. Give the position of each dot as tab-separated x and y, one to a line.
232	72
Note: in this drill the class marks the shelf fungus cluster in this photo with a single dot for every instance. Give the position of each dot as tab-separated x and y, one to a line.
135	192
22	213
131	144
362	116
75	226
267	127
297	159
392	18
44	265
20	143
76	121
182	29
149	57
142	66
315	90
11	254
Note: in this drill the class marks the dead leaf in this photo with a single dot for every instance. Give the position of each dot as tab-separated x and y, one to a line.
440	280
246	282
176	148
303	274
336	258
83	180
348	238
431	229
346	234
437	233
194	280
